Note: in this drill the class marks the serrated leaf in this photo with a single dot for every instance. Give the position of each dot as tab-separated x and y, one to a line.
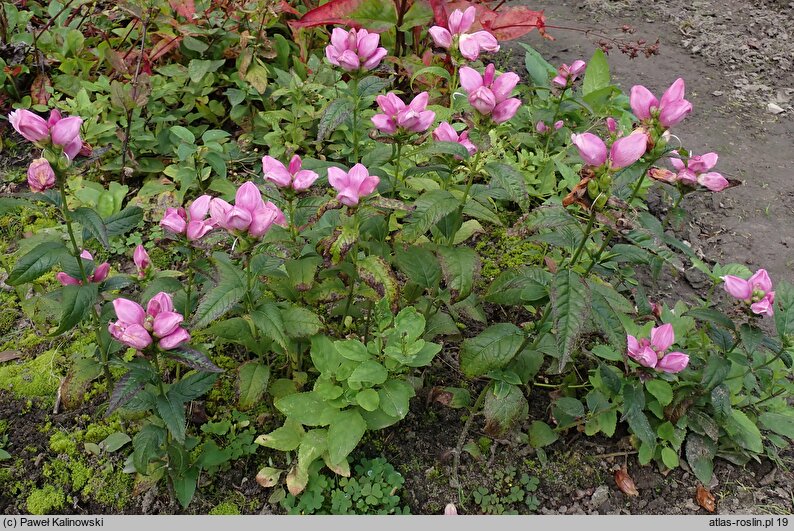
502	412
75	305
744	431
173	414
36	263
459	266
511	180
420	266
492	349
371	85
336	113
378	275
252	380
269	321
661	390
192	386
124	221
344	434
185	485
778	422
518	286
700	452
301	322
125	389
216	303
430	208
194	359
92	222
570	306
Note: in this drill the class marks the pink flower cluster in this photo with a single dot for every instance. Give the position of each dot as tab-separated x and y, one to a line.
41	176
135	327
99	274
352	185
542	128
446	133
670	110
624	152
755	291
355	49
192	223
489	93
63	132
566	75
693	173
413	117
294	176
653	353
470	44
250	213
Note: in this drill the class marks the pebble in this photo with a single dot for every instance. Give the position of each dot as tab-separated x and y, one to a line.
773	108
717	93
600	496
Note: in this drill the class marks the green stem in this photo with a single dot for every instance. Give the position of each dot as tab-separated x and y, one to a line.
553	120
293	227
356	100
189	287
353	257
672	209
585	237
397	163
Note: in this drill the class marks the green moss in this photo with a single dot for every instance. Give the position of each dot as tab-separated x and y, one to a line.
10	313
95	433
501	251
45	500
225	508
3	426
160	258
38	377
111	487
63	443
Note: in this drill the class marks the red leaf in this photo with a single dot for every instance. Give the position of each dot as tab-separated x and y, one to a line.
284	7
505	24
440	12
183	8
333	12
38	90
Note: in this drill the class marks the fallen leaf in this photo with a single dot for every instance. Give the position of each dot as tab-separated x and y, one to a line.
625	483
705	499
8	355
268	476
39	94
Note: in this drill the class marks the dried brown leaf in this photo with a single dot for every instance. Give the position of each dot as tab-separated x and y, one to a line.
705	499
625	483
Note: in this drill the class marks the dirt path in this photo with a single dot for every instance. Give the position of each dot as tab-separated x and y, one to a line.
736	58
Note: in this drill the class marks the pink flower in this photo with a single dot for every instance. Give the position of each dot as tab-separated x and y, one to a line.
250	213
558	124
135	327
445	133
354	49
397	115
612	125
489	94
99	274
293	176
755	291
193	223
450	510
591	148
651	353
352	185
670	110
31	126
41	176
673	362
541	127
568	74
627	150
696	171
141	259
470	44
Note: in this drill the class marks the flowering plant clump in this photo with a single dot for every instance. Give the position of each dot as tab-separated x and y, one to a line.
333	218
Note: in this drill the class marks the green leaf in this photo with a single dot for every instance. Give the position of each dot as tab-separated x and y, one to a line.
419	14
712	316
285	439
146	444
124	221
607	319
715	371
216	303
307	408
268	320
369	372
126	388
336	113
301	322
344	434
195	359
492	349
352	349
371	85
114	441
661	390
76	304
375	15
430	208
518	286
445	148
378	275
638	422
744	432
502	412
540	70
420	266
781	423
510	180
92	222
784	309
36	263
570	306
395	396
368	399
192	386
185	485
700	452
252	379
459	266
541	434
596	76
325	355
435	70
11	204
173	414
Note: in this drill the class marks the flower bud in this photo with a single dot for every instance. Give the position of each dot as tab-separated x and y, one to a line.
41	176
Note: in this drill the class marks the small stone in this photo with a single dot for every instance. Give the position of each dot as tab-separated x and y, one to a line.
773	108
717	93
600	496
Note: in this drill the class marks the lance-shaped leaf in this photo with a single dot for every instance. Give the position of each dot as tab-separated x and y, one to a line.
459	265
378	275
378	15
252	380
492	349
123	221
76	304
192	386
125	389
570	305
173	414
194	359
36	263
336	113
420	266
92	224
430	208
